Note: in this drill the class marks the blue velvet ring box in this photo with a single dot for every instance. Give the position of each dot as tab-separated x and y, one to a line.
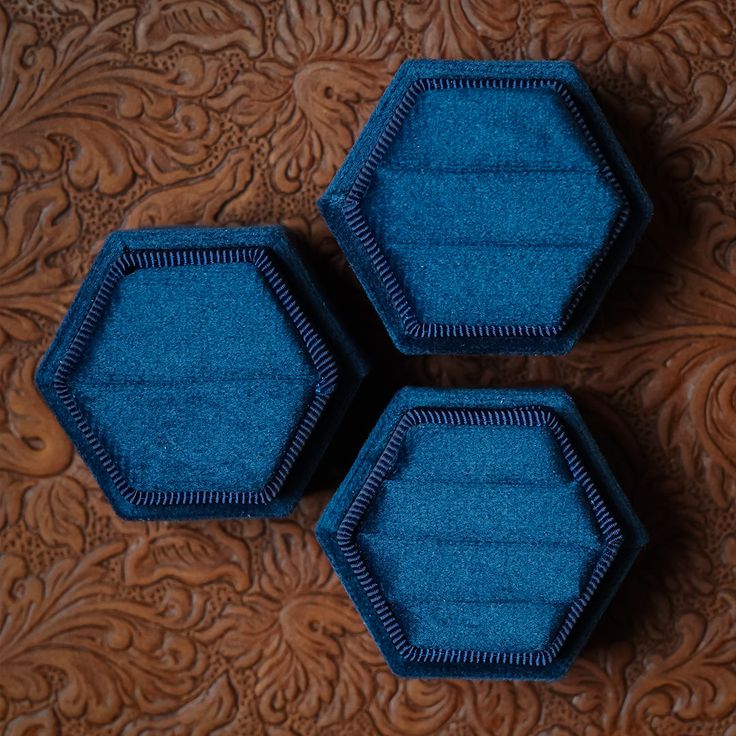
486	207
200	373
480	533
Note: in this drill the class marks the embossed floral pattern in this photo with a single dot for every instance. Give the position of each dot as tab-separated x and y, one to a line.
204	24
652	43
431	706
462	29
300	635
680	685
122	121
686	370
312	96
31	442
119	652
35	226
236	111
194	555
702	141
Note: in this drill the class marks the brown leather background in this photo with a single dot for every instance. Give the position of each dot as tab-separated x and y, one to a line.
192	111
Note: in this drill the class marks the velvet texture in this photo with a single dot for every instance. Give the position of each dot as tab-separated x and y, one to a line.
200	373
486	207
480	533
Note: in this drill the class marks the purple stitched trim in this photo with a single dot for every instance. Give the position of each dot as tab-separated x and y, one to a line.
532	416
126	264
357	221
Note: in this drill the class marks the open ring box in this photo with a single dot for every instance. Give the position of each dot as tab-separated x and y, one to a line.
200	373
486	207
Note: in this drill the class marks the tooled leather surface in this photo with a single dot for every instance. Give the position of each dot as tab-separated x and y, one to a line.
196	111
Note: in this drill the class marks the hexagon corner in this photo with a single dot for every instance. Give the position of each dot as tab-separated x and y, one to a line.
473	185
199	373
480	533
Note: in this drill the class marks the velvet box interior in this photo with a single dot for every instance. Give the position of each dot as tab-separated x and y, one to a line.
200	373
480	533
486	207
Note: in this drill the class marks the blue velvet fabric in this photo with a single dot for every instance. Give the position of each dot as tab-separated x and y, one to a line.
480	533
200	373
486	207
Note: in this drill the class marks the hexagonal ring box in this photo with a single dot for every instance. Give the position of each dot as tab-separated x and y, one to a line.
480	533
486	207
200	373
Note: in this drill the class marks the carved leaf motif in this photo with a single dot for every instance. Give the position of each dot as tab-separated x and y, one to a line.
652	43
56	509
195	555
502	708
41	723
695	681
85	8
685	370
702	142
204	715
300	635
428	705
598	687
110	651
31	441
202	200
698	678
464	29
313	95
36	225
123	120
203	24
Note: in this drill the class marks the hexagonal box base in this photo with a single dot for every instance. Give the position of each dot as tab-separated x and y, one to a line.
480	533
486	207
200	373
